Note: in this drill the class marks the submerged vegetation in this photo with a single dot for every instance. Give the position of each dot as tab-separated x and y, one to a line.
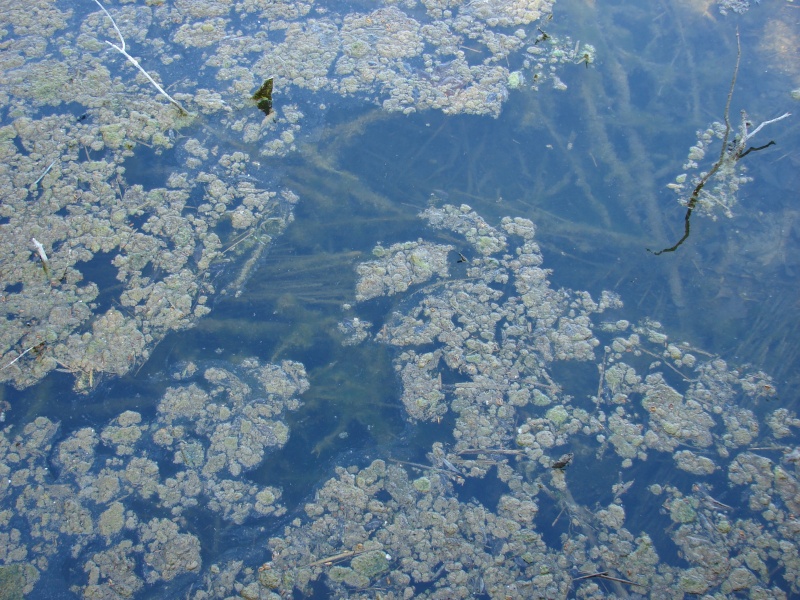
496	332
483	346
373	389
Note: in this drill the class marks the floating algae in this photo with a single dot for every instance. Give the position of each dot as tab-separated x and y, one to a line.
77	124
482	345
503	343
140	504
207	433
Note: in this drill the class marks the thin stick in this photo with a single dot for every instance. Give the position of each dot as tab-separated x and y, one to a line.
489	451
757	129
336	557
666	362
135	63
47	170
421	466
730	95
20	356
605	575
617	579
237	242
590	575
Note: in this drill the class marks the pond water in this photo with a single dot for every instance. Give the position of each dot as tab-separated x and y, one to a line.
426	324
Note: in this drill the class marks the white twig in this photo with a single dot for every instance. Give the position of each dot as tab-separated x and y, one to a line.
16	359
134	62
46	171
40	250
770	122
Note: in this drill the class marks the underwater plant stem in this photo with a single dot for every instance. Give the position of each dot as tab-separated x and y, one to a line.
121	49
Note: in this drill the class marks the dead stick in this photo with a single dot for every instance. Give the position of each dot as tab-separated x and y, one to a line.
121	49
20	356
617	579
421	466
489	451
590	575
336	557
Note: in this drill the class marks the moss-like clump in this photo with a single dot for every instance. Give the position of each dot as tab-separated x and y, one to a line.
515	80
339	574
112	520
348	577
423	484
269	579
682	512
370	564
693	582
12	581
557	415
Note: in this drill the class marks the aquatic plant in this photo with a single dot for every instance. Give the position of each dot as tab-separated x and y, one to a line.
570	451
497	331
203	201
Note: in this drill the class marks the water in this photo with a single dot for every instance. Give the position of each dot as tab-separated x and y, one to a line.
253	471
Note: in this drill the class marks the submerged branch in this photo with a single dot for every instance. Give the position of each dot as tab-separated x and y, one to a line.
722	155
731	152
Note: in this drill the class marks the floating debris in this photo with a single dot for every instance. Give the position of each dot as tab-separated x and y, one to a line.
263	97
563	462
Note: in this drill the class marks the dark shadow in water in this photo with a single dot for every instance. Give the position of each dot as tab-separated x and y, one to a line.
150	167
352	405
104	274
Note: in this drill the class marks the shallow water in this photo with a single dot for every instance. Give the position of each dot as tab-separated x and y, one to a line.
283	400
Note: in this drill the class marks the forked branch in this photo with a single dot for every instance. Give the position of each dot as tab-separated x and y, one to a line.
731	153
121	49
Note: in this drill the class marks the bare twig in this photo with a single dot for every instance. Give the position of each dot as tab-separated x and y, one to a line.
50	166
456	475
618	579
729	154
749	135
489	451
20	356
121	49
605	575
328	561
699	187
